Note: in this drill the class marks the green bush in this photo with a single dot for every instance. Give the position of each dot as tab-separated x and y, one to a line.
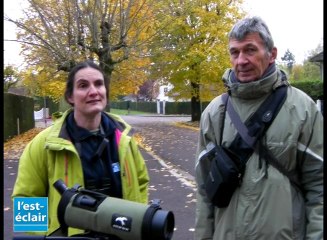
178	108
150	107
18	115
313	88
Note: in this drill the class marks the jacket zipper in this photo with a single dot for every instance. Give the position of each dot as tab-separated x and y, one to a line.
128	174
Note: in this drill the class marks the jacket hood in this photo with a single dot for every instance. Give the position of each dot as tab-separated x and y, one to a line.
254	89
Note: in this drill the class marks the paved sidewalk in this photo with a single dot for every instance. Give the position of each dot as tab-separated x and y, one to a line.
43	123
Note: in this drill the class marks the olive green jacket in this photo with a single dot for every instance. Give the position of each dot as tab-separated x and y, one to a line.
266	205
51	156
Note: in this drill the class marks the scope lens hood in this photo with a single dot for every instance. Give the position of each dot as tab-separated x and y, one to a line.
163	224
157	224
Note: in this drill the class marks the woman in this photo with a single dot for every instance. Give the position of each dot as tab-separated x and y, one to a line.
86	146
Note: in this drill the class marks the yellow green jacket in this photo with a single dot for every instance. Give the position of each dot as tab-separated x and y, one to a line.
51	156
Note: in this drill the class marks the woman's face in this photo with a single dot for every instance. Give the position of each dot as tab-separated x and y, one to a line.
89	95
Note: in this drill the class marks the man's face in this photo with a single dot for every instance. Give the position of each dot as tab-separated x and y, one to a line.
249	57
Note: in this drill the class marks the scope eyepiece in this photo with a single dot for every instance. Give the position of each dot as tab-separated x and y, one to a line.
60	186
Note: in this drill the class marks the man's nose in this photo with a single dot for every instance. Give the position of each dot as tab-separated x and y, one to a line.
242	58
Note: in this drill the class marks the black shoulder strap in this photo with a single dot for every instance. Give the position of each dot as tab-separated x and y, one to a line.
255	127
260	121
249	132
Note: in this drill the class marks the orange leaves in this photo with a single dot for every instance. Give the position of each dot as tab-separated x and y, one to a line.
14	147
44	81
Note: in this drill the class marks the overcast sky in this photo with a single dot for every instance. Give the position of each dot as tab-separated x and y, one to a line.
13	9
296	25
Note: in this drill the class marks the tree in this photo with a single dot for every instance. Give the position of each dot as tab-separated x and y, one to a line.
307	71
41	82
315	51
147	91
289	58
191	49
311	71
297	72
59	33
10	77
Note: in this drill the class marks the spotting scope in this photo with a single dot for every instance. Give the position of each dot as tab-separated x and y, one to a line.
126	220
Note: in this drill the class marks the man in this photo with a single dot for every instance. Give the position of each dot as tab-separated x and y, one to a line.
266	204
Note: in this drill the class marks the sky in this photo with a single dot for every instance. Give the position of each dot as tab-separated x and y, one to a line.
296	25
13	9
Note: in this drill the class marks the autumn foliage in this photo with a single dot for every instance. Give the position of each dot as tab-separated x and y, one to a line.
179	42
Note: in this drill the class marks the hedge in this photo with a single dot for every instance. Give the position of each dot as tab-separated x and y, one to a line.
314	89
18	115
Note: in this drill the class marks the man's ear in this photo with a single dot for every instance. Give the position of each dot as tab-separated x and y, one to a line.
273	55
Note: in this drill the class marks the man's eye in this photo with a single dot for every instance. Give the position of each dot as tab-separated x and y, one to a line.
250	50
234	54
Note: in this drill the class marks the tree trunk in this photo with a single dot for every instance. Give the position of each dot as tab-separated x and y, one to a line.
195	103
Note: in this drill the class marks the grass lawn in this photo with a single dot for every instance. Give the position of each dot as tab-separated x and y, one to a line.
125	112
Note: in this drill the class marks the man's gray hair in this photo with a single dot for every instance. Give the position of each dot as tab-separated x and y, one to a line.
252	25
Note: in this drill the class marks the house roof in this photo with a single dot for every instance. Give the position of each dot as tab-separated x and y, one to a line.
317	58
130	97
18	91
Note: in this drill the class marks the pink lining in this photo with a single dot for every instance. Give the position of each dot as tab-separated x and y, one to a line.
118	136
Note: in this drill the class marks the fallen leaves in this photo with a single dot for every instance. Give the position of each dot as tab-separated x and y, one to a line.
192	125
14	147
140	141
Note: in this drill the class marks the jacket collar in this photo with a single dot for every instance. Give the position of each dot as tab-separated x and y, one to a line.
58	131
255	89
107	127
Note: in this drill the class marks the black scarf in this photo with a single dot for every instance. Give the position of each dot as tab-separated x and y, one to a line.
100	170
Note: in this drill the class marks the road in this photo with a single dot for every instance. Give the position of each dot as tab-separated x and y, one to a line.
170	157
176	146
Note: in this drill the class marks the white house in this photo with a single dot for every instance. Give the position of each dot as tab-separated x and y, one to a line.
163	97
163	93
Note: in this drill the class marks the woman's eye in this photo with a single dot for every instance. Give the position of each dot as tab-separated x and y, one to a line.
99	84
82	85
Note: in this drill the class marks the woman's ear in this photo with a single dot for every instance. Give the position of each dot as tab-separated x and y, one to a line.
70	100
